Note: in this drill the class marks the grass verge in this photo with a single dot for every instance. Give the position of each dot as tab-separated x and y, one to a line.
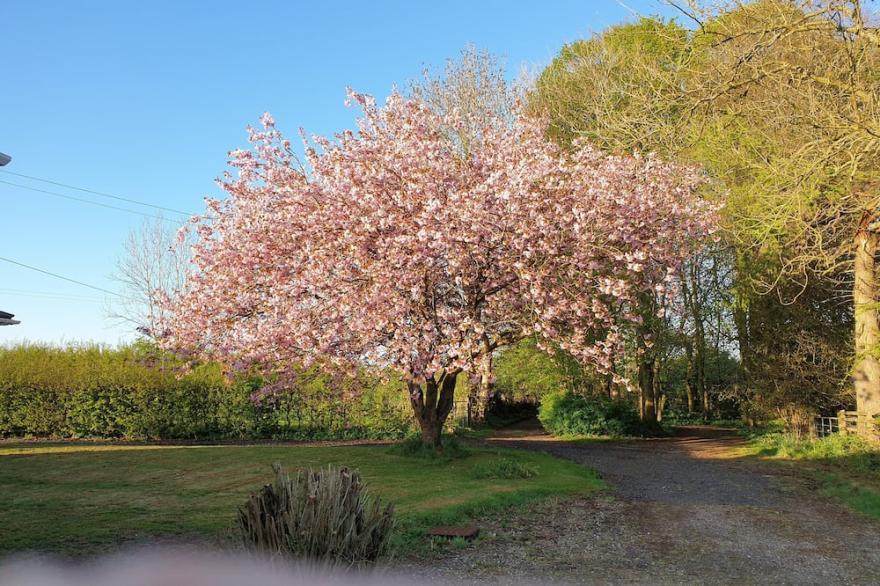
846	466
79	499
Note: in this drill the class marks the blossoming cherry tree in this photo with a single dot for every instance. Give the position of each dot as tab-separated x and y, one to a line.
390	246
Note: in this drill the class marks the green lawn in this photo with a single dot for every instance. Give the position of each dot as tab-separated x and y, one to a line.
84	498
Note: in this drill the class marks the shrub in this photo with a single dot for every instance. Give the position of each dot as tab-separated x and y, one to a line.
324	515
567	414
507	469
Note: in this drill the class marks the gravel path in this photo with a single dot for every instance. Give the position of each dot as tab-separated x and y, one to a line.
682	510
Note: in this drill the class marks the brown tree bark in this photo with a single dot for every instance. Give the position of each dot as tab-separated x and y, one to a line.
646	388
699	339
481	392
689	389
866	371
647	359
689	377
696	346
658	388
432	403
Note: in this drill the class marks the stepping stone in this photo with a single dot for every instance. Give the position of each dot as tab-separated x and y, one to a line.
469	532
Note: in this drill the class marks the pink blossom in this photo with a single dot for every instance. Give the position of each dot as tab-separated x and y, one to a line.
393	248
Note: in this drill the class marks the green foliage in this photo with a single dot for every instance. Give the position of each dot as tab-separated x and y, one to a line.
800	355
412	447
506	468
524	371
782	131
621	89
569	414
324	515
137	392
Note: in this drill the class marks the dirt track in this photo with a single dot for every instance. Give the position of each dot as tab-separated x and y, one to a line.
682	510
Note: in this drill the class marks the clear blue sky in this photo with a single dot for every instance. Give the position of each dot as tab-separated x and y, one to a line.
145	99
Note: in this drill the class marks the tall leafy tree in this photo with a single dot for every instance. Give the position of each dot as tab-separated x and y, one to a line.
777	99
622	90
792	91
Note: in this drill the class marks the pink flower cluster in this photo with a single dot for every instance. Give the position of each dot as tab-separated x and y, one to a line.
390	246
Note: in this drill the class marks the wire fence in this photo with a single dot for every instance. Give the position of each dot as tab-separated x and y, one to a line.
461	413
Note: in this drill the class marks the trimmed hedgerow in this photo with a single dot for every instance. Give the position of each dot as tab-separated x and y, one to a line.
136	392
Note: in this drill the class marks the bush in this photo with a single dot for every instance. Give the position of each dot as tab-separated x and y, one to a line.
568	414
324	515
506	469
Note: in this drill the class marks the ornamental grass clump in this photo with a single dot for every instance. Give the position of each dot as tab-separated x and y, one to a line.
323	515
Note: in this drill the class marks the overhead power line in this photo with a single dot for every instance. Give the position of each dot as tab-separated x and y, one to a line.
99	193
27	292
52	297
62	277
88	201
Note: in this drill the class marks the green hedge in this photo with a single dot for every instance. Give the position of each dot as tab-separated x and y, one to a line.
568	414
135	392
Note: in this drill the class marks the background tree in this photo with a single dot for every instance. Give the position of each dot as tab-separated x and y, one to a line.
795	85
622	90
777	100
151	260
475	88
525	372
391	248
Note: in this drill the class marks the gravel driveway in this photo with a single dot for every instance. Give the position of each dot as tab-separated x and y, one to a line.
682	510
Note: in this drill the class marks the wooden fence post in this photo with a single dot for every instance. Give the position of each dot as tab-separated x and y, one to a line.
841	422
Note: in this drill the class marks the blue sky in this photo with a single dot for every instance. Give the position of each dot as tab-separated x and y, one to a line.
145	99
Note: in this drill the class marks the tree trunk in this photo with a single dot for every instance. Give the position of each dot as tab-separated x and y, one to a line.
696	347
432	403
866	371
646	388
699	342
481	393
743	340
613	392
689	377
658	388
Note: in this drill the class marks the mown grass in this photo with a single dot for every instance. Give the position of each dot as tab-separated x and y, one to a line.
847	466
80	499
